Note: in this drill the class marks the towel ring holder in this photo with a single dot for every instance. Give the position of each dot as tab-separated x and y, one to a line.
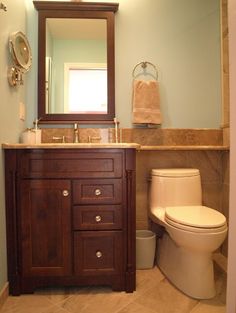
144	65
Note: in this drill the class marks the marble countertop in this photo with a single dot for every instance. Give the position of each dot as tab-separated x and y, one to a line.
110	146
71	146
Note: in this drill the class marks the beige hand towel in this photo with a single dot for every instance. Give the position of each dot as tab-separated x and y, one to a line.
146	102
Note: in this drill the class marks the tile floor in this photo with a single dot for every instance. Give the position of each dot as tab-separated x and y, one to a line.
154	294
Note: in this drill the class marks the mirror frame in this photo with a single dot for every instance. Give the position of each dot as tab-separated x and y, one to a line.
73	9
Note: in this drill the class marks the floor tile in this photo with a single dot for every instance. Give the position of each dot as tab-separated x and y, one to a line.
26	304
154	294
147	279
209	306
136	308
165	298
55	309
56	295
99	301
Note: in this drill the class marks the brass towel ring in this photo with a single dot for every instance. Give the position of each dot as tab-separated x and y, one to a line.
144	65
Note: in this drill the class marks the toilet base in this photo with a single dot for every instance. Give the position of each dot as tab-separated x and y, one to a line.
190	271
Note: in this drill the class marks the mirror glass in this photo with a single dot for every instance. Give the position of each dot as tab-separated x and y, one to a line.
76	64
76	61
20	51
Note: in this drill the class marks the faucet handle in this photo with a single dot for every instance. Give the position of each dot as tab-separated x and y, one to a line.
94	138
76	132
62	138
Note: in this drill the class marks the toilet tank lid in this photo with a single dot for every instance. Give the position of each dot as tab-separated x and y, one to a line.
175	172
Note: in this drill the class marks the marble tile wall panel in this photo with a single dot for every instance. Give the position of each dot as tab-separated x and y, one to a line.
49	133
225	194
173	137
212	195
226	137
85	134
225	167
209	164
143	136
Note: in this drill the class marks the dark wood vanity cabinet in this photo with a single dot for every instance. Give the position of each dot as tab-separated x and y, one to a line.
70	218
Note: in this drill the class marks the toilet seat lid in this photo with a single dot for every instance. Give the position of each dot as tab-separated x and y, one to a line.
195	216
175	172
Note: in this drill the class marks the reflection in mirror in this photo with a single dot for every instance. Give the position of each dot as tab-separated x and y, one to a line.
79	80
76	61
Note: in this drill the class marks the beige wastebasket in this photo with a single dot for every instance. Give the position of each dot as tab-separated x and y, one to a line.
145	249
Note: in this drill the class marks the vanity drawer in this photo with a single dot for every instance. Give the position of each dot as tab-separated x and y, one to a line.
98	252
76	163
97	191
97	217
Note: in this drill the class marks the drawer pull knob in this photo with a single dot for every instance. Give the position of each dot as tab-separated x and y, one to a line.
98	254
98	218
97	192
65	193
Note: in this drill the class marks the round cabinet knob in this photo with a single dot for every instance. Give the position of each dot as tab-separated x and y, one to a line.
65	193
97	192
98	218
98	254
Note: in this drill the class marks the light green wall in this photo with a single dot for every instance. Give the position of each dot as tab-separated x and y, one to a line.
182	38
10	124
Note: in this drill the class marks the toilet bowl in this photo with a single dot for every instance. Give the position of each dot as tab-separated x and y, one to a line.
192	231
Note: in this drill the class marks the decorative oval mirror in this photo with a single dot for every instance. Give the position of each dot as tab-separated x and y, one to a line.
20	51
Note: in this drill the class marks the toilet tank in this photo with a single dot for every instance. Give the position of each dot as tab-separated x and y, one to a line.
175	187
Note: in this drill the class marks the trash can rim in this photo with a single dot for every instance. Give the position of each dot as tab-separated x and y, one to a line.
145	234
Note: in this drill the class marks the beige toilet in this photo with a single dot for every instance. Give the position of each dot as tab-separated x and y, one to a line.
192	231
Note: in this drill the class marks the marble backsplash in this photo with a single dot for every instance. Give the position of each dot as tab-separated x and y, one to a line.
163	137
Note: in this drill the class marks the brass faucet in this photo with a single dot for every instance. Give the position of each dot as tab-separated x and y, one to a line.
76	133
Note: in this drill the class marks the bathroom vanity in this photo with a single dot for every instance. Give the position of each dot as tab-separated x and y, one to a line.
70	215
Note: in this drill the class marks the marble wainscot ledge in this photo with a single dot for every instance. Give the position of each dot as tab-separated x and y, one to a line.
72	146
183	147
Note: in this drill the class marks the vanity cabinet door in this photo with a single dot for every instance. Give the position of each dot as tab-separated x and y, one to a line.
45	216
98	253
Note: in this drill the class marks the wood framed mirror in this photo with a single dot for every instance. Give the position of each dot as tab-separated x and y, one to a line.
76	74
